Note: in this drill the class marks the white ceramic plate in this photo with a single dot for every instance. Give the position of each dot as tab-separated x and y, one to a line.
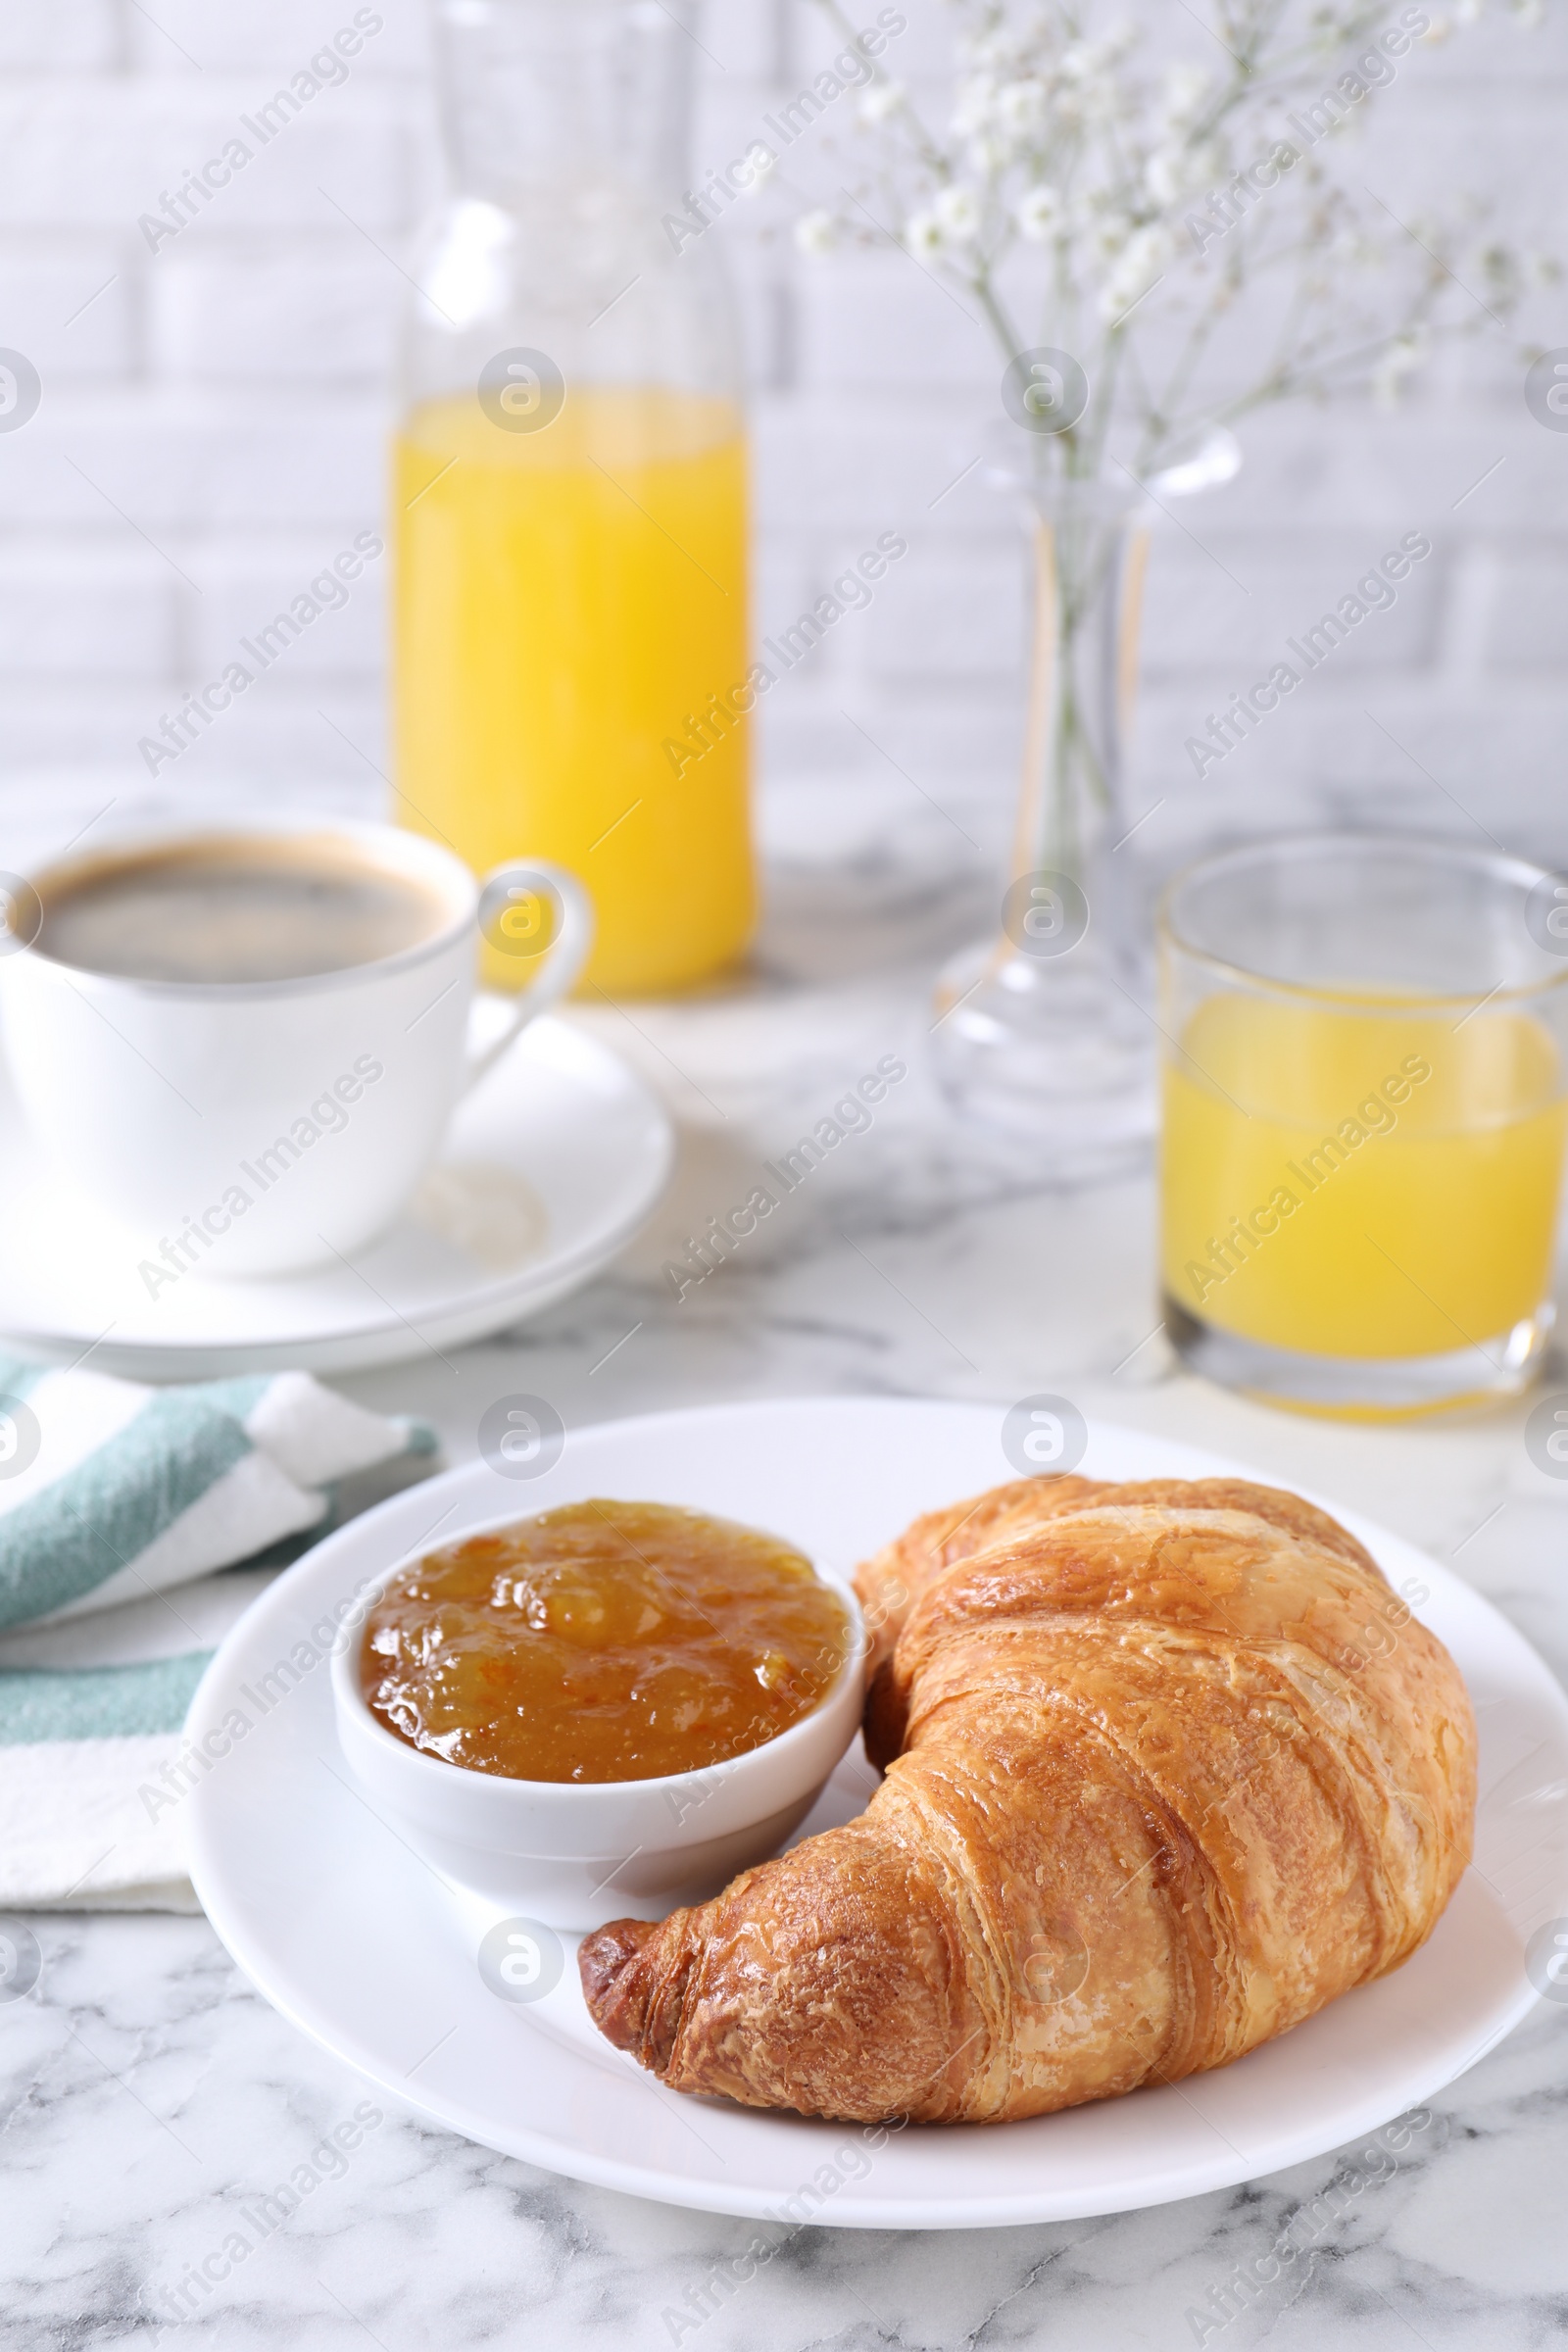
550	1166
352	1937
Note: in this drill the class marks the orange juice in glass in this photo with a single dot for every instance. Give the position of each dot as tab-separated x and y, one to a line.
1363	1120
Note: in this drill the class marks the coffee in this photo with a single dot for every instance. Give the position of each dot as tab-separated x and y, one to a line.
234	907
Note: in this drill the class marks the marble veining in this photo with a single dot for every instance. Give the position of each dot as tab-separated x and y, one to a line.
150	2100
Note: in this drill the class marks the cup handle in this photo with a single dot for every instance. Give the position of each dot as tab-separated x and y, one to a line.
512	900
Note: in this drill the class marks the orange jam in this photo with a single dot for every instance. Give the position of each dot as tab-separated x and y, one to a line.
602	1641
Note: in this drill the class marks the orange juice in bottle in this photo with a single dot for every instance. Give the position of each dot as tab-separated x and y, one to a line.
570	496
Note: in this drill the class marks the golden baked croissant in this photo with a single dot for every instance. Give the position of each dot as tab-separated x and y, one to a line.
1169	1767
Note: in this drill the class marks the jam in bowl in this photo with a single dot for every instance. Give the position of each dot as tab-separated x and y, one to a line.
602	1712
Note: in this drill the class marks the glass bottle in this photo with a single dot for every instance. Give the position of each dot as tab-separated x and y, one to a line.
570	496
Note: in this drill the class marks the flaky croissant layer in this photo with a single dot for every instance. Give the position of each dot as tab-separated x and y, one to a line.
1169	1767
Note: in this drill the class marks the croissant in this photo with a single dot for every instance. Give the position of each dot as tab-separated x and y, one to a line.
1169	1767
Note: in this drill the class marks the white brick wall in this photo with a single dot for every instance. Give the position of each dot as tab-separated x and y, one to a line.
215	416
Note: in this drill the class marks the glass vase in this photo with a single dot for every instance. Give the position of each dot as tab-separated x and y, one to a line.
1044	1031
570	498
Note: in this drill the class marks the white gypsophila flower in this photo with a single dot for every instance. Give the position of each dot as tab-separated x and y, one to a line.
1141	263
1021	107
1183	93
1087	60
1387	380
988	156
1355	247
972	112
1179	171
1107	234
763	163
1040	215
816	233
922	236
1101	99
1405	355
984	50
958	215
882	99
1165	175
1528	15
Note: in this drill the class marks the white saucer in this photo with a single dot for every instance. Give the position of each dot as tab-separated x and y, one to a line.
357	1940
550	1166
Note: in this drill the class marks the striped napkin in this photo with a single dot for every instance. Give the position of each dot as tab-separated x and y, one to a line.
124	1512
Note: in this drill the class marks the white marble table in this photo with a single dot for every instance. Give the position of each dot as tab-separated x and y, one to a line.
148	2093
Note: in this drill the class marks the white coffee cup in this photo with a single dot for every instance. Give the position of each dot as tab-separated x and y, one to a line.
259	1126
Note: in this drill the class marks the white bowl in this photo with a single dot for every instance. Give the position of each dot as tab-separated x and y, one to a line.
575	1854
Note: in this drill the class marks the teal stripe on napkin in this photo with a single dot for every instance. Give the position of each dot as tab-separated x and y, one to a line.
239	1396
98	1702
101	1515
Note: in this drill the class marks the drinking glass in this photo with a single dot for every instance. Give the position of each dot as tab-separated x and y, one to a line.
1363	1120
